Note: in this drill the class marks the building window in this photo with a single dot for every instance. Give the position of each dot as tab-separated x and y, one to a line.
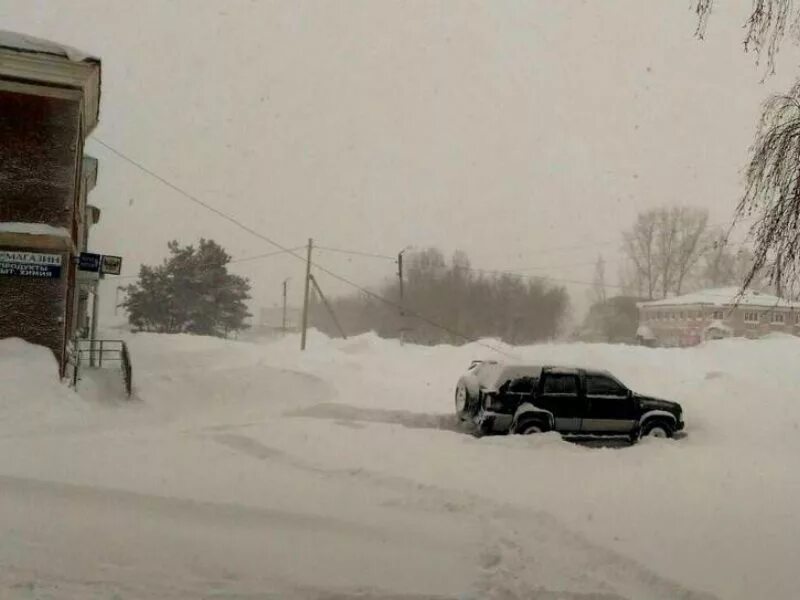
778	318
797	319
751	317
717	315
683	316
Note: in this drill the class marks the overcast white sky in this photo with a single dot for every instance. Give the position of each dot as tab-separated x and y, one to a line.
503	128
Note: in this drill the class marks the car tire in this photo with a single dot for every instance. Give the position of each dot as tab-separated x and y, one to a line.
462	402
657	428
530	427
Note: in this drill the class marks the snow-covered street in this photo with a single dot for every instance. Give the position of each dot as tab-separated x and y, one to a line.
247	470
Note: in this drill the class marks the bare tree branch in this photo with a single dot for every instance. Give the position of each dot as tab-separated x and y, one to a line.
765	28
703	10
772	190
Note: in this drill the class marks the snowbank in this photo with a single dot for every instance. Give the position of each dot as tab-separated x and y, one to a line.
32	396
356	437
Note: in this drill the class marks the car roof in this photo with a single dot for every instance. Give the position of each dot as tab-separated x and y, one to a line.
501	368
498	373
598	372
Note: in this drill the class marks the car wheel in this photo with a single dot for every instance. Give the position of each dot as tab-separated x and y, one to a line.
657	429
462	402
529	428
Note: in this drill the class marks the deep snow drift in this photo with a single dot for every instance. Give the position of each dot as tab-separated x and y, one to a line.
246	469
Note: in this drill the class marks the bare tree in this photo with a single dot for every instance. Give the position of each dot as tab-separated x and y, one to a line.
772	190
691	240
639	246
765	28
664	247
453	303
719	262
629	282
598	293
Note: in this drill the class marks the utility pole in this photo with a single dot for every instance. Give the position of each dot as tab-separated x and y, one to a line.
305	295
400	277
283	322
93	334
402	294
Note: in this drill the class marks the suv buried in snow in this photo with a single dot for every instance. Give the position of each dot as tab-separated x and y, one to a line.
525	399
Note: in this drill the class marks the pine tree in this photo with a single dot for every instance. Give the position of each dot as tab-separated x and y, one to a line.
190	292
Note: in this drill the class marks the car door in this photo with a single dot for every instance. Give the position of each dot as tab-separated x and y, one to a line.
610	407
561	395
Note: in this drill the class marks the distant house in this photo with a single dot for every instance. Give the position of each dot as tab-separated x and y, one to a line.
49	104
716	313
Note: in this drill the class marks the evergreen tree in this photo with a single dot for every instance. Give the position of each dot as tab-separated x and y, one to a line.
190	292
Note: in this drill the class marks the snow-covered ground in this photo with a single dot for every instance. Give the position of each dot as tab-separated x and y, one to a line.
246	470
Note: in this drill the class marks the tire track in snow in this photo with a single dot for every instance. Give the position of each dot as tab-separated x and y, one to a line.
76	541
510	568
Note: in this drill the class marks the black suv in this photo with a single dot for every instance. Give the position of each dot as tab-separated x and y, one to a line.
503	398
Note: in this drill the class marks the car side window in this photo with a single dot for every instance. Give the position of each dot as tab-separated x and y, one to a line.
597	385
560	384
522	385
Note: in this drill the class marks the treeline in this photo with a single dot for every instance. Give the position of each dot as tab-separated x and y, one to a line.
449	302
672	251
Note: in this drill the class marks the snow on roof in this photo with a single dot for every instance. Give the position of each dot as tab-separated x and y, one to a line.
26	43
33	229
725	297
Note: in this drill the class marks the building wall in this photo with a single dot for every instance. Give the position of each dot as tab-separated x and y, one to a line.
40	148
684	325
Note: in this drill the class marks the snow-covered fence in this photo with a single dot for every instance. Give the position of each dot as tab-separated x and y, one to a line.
93	353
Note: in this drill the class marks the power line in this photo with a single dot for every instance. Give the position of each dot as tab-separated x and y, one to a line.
289	251
292	252
265	255
230	262
519	271
356	253
241	225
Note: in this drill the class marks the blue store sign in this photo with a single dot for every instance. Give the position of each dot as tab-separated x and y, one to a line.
18	263
89	262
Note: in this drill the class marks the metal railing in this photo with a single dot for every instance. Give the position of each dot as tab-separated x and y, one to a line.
96	352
